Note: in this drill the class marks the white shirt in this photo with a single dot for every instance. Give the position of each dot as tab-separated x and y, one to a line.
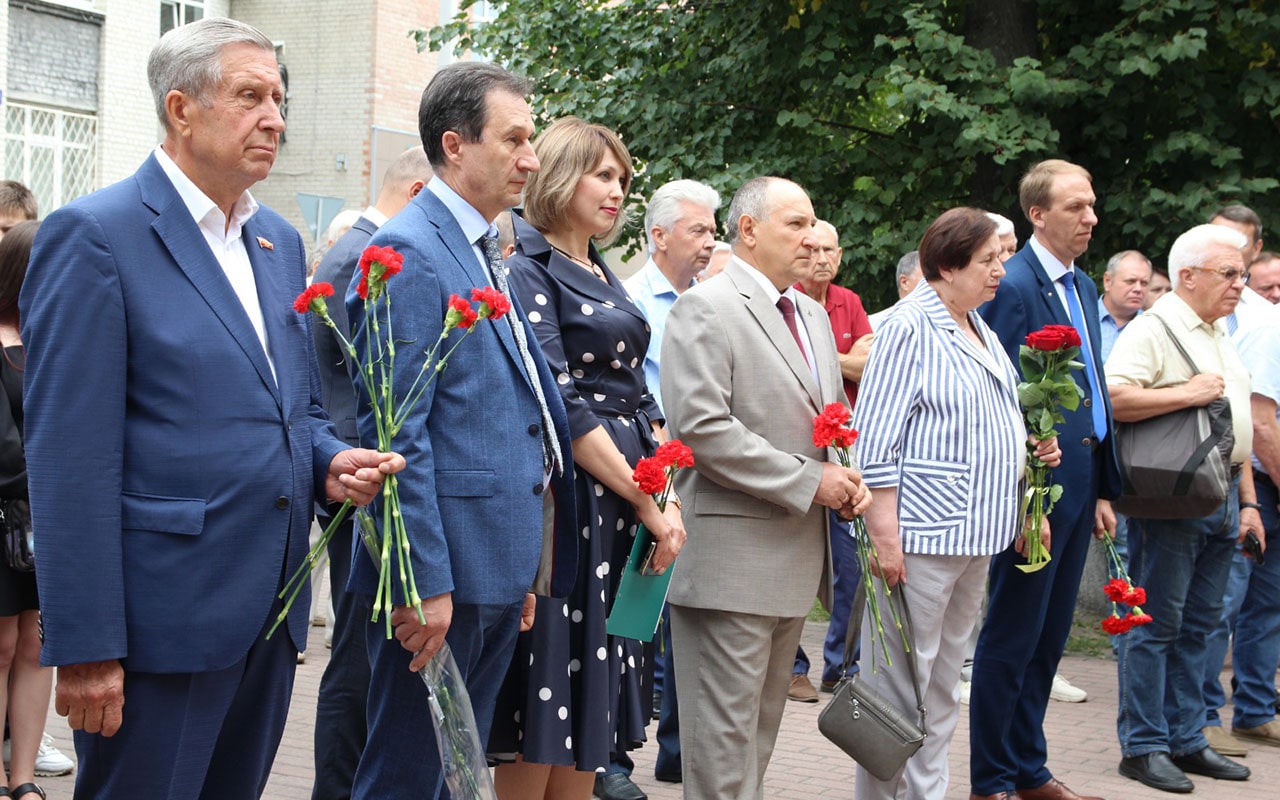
773	294
473	224
225	242
375	216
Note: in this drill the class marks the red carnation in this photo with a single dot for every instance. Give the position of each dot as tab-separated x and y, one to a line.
1115	624
493	303
1137	618
1135	597
674	453
844	437
1116	590
651	475
390	260
363	288
313	294
836	413
1070	336
460	314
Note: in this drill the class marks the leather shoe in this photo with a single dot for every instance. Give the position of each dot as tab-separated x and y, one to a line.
616	786
996	796
1053	789
801	689
669	777
1212	763
1158	771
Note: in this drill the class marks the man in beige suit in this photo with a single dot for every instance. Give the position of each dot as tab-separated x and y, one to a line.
747	363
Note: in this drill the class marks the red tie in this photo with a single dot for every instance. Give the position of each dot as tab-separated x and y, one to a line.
788	310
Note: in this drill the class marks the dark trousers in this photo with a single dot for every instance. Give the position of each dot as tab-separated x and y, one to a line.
400	760
668	763
344	688
195	736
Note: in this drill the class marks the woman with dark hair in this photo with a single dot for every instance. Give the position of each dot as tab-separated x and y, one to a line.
942	449
24	684
575	698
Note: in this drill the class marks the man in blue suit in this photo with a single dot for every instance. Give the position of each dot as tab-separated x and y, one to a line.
175	441
1029	614
344	687
487	446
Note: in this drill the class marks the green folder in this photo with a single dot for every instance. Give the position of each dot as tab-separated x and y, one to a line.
640	598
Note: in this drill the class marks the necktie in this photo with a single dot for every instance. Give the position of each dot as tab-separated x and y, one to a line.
788	310
550	444
1091	369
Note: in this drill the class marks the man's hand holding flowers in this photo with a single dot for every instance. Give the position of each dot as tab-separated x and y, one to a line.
357	474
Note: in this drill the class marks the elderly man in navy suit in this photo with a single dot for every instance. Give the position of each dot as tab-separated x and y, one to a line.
175	439
1029	614
486	498
344	687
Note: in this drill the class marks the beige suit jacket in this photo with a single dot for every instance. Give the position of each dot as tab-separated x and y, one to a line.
736	389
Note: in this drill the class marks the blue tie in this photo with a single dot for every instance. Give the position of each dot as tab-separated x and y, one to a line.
1095	386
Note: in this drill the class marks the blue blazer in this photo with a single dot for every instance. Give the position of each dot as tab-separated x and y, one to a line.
1027	301
472	495
172	476
336	392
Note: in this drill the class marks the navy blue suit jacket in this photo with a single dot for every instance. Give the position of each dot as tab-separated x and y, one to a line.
1027	301
471	495
336	392
172	476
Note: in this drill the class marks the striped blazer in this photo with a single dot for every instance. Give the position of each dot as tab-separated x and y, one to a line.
939	419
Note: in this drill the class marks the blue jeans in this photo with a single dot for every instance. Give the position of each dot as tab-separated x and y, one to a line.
1183	564
846	573
1252	611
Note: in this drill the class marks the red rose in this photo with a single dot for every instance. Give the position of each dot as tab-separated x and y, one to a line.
650	475
1115	624
1070	336
1135	597
493	303
1046	340
460	314
674	453
311	294
1137	618
1116	589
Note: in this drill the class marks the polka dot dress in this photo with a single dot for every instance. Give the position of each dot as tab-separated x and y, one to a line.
574	695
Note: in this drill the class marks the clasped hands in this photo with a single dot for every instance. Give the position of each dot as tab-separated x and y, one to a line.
842	490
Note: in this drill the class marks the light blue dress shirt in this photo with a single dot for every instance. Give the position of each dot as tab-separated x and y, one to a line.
654	294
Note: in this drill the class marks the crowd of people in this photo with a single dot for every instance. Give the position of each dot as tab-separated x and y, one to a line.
174	500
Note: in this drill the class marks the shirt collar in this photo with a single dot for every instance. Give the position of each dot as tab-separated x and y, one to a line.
1052	266
375	216
656	280
771	291
200	205
473	224
1174	308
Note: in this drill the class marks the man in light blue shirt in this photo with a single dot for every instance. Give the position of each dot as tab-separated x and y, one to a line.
1124	291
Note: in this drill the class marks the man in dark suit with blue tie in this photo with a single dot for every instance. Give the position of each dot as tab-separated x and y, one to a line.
344	687
487	499
175	440
1029	614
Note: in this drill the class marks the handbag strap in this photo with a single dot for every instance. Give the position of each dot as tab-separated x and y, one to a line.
908	638
1194	369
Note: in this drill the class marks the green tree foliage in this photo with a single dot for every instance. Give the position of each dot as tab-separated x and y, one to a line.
891	112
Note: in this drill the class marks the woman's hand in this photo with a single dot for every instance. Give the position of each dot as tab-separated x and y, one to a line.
667	528
1020	543
1047	451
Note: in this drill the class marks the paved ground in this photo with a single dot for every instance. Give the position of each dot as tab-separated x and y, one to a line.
1082	744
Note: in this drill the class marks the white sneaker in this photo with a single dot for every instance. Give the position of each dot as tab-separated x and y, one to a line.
965	688
50	761
1064	692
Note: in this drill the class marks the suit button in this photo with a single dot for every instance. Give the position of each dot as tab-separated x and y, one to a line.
537	488
282	502
1086	441
1088	402
534	429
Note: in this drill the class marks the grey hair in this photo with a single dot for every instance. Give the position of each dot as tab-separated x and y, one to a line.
751	200
1004	225
188	59
1121	256
909	263
1192	248
1241	215
457	99
664	207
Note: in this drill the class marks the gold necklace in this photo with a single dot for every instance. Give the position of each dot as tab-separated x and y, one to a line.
591	266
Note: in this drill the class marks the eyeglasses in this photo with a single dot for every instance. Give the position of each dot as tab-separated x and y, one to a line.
1231	275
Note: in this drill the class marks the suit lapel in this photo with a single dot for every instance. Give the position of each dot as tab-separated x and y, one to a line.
775	328
186	243
819	337
272	282
1049	292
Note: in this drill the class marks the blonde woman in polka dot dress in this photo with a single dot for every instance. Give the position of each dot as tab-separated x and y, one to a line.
574	696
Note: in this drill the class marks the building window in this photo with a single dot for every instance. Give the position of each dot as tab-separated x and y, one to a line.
53	152
174	13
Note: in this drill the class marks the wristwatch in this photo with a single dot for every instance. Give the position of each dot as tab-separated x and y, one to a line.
1255	506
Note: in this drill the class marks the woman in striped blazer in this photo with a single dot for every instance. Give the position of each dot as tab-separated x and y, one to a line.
942	448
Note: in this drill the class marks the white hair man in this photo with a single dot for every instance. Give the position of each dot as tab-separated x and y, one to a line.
1183	563
1008	236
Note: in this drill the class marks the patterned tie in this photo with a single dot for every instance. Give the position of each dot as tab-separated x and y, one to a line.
1095	393
550	444
788	310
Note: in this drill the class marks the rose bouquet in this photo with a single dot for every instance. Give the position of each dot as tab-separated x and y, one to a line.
831	429
1047	359
1121	591
377	266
